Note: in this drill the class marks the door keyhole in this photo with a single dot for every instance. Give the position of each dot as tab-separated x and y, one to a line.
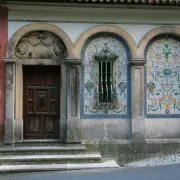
41	100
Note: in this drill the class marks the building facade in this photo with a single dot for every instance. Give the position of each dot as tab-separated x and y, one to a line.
85	72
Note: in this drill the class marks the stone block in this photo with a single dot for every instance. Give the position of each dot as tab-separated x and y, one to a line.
73	130
9	130
163	128
117	129
92	129
18	130
63	129
138	128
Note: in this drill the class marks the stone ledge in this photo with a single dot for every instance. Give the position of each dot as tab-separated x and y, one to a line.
162	141
71	61
9	60
137	61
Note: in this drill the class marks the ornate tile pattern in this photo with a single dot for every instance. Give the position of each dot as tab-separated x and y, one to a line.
162	78
122	76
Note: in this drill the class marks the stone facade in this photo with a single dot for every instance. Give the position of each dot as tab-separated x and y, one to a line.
145	77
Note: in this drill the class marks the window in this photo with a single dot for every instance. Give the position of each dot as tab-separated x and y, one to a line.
105	81
105	78
105	91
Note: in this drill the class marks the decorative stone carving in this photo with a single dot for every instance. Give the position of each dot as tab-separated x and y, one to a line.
40	45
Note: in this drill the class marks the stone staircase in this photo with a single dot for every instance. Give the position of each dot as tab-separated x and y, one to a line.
50	156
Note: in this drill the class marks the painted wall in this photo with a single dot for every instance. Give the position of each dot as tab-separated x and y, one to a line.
96	15
74	30
3	44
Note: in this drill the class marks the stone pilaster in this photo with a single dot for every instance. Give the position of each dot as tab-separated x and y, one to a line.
137	67
10	83
73	99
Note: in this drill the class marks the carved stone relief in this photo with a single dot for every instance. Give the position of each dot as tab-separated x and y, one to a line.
40	45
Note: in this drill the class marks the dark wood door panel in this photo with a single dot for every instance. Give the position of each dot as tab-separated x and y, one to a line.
41	102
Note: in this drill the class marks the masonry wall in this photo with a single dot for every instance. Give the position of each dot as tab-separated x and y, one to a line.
3	44
137	25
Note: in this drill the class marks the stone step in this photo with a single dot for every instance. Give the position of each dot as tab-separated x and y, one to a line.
106	163
48	159
43	150
43	142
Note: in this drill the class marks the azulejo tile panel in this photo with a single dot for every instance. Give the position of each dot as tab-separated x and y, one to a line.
162	77
121	107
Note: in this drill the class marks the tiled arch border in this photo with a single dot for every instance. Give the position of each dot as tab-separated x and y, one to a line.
150	37
153	33
106	29
117	32
127	50
171	36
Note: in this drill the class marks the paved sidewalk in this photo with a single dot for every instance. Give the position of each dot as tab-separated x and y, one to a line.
168	172
157	161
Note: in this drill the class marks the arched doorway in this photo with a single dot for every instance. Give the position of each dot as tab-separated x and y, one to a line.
41	84
36	83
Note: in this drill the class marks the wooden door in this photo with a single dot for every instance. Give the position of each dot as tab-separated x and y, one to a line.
41	102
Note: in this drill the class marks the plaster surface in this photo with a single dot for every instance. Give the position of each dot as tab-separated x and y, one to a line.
162	128
74	29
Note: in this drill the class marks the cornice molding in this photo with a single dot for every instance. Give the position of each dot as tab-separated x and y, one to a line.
96	2
9	60
115	4
137	62
73	61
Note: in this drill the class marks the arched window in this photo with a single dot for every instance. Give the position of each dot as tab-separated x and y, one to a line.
162	79
105	86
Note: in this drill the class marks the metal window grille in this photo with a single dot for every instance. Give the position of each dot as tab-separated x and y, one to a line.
105	71
105	81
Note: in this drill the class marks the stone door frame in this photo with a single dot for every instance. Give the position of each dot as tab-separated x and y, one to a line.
14	97
14	81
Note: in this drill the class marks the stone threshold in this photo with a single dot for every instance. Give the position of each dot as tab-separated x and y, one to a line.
45	148
47	141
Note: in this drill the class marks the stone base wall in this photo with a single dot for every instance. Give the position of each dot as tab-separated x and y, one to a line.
124	151
162	128
97	129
